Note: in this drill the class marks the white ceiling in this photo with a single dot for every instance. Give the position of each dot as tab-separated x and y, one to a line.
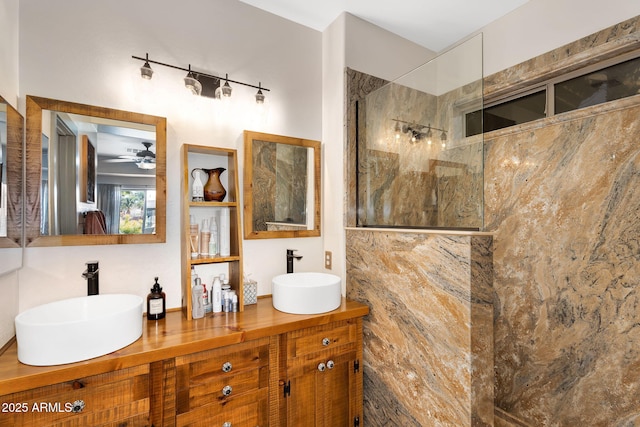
434	24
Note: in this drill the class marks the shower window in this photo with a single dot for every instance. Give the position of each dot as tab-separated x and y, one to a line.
532	106
608	81
608	84
416	168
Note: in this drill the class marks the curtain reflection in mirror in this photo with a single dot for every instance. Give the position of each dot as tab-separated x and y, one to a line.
109	204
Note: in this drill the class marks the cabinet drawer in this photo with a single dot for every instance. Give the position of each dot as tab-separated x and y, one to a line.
196	391
118	397
248	410
226	360
320	338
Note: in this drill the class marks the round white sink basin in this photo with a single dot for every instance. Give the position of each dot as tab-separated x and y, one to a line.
306	293
78	329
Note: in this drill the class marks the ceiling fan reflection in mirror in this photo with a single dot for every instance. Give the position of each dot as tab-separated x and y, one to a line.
144	159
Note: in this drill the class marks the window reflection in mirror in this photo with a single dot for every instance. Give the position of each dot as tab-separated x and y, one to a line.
282	186
98	176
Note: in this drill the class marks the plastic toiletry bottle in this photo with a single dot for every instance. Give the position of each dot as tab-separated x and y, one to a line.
194	237
205	237
213	238
156	302
206	302
197	309
225	230
216	295
226	294
234	302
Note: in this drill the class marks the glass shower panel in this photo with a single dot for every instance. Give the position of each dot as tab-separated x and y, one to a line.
416	167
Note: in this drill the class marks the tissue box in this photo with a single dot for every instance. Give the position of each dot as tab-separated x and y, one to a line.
250	292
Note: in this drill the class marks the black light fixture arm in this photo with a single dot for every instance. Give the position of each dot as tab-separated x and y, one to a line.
199	73
418	127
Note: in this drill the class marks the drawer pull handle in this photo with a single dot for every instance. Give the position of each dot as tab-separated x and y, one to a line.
330	364
227	424
326	341
227	367
322	367
226	390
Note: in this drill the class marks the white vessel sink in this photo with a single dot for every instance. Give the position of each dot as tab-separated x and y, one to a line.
78	329
306	293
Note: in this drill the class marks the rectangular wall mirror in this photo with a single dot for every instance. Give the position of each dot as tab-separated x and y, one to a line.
281	186
96	175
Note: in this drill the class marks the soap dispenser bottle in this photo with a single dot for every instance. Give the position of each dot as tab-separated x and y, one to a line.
156	302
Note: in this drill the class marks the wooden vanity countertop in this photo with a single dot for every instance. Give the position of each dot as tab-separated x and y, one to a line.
170	337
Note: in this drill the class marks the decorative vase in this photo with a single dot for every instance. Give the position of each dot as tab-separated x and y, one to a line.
213	189
197	192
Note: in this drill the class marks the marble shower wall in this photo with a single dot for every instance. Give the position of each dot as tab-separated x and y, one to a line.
428	358
563	200
428	341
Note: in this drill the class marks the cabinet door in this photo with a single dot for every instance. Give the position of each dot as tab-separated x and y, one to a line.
118	398
324	393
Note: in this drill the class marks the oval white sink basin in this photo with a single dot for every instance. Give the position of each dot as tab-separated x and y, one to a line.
306	293
78	329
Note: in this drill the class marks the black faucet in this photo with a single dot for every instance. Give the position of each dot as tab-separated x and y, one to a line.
290	257
91	274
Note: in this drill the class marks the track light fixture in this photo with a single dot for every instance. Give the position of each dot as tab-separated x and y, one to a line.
226	88
418	132
145	71
203	84
191	83
259	95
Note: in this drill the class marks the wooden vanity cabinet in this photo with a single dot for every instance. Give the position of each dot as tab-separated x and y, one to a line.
281	376
323	376
117	398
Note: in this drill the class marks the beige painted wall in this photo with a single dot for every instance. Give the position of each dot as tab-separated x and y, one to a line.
224	36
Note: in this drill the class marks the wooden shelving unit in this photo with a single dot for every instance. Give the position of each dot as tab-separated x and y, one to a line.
199	156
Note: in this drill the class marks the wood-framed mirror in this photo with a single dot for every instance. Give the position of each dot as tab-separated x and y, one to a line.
11	160
95	175
281	186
